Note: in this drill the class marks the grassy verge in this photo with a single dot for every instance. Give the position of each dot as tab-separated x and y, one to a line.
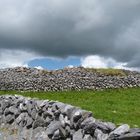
108	71
118	105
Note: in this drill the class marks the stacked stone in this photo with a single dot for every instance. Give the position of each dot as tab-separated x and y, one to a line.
66	79
34	119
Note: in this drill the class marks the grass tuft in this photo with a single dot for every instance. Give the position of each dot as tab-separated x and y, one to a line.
108	71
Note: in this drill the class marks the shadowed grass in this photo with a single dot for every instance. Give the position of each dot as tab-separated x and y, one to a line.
108	71
115	105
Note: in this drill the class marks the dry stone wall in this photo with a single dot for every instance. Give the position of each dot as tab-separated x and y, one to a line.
32	119
67	79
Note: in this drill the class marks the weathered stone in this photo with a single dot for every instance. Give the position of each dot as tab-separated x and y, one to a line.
41	136
130	136
14	111
20	118
88	137
5	104
42	103
9	119
105	127
110	126
90	128
134	130
62	133
23	107
120	130
62	120
76	115
56	135
99	135
52	127
40	122
87	121
78	135
29	122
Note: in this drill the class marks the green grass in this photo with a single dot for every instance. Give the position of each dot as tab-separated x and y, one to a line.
115	105
108	71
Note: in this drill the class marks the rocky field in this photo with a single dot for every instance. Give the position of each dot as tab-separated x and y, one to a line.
79	78
32	119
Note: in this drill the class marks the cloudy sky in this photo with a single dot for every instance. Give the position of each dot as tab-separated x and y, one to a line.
57	33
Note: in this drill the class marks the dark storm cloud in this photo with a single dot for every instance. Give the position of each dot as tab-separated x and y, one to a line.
64	28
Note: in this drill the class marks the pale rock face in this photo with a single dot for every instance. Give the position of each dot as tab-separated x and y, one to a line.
121	130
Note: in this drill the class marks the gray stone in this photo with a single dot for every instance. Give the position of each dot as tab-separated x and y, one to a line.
109	125
39	122
6	112
41	136
120	130
78	135
76	115
90	128
56	135
68	130
33	113
52	127
9	119
67	110
87	121
5	104
20	118
134	130
88	137
130	136
62	120
42	103
29	122
105	127
14	110
63	133
23	107
99	135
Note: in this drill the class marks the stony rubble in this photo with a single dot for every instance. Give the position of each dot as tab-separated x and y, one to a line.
33	119
78	78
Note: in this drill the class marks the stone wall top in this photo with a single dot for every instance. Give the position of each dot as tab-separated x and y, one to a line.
78	78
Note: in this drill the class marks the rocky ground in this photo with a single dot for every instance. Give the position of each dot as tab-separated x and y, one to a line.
32	119
66	79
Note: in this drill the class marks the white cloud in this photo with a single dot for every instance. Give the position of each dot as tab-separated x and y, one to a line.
39	67
70	66
95	61
14	58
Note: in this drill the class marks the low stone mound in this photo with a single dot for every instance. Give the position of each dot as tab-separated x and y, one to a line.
78	78
33	119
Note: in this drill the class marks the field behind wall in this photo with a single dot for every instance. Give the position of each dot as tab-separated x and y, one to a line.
116	105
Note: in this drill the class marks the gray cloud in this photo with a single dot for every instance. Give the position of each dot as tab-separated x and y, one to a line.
64	28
